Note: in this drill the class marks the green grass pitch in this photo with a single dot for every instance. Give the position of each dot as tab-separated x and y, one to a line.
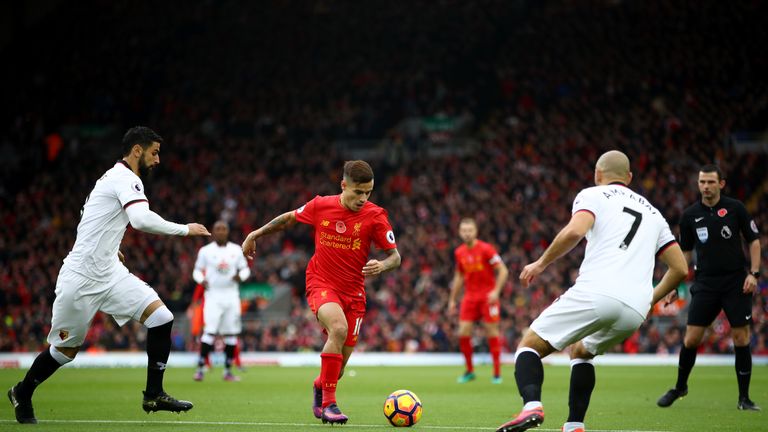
278	399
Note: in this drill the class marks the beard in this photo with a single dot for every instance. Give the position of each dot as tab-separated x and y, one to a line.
144	169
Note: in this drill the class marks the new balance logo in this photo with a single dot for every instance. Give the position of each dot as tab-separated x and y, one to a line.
698	219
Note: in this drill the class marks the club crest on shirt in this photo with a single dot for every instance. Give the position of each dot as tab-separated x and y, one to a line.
136	186
726	232
341	228
63	334
722	212
703	234
356	229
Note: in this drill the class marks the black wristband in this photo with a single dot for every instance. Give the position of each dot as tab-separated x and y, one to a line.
756	274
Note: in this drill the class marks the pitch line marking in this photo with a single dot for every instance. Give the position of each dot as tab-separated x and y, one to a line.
346	426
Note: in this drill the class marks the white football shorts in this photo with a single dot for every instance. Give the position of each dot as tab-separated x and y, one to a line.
221	314
598	321
78	298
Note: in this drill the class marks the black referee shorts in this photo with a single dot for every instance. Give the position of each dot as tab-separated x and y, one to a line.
711	294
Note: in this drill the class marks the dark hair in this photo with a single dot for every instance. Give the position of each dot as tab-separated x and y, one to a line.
140	135
358	171
712	168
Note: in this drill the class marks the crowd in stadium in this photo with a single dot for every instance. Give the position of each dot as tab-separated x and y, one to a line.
251	104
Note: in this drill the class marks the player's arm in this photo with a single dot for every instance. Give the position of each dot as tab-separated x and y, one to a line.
750	283
456	285
391	262
198	273
121	257
243	271
581	222
144	219
677	270
277	224
502	273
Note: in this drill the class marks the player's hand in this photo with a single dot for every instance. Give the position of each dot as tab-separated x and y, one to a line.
196	229
236	278
121	257
530	272
249	246
493	297
373	267
671	298
750	284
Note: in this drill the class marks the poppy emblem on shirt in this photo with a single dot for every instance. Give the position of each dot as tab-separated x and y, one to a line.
722	212
63	334
340	227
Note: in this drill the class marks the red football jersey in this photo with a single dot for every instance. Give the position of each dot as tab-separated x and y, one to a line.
343	241
476	265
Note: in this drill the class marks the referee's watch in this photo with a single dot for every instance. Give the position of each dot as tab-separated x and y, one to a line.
756	274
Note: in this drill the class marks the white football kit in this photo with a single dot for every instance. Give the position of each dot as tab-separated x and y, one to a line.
93	278
217	266
614	289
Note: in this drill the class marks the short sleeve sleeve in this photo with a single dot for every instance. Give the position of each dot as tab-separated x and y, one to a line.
383	236
666	238
585	201
747	225
686	233
491	255
130	191
306	213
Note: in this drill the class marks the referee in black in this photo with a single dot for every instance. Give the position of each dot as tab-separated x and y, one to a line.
714	227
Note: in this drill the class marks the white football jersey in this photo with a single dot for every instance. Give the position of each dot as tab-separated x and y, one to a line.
220	264
622	245
103	223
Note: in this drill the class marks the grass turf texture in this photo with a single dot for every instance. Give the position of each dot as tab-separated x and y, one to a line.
278	399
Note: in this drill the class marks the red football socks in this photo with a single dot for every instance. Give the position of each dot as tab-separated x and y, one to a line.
465	345
494	346
330	367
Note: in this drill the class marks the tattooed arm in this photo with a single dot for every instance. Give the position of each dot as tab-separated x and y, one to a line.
279	223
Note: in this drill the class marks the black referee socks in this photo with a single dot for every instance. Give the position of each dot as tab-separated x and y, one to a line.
529	375
685	366
743	369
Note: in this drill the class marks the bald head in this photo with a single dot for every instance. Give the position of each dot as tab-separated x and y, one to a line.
612	166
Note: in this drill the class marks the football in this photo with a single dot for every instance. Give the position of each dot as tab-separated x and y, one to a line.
402	408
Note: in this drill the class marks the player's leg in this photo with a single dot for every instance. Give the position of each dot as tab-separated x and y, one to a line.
331	316
564	322
231	326
491	319
212	315
469	312
71	315
738	309
465	346
130	298
704	307
618	322
581	387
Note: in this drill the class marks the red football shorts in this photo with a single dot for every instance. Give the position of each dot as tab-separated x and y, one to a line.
352	305
474	310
